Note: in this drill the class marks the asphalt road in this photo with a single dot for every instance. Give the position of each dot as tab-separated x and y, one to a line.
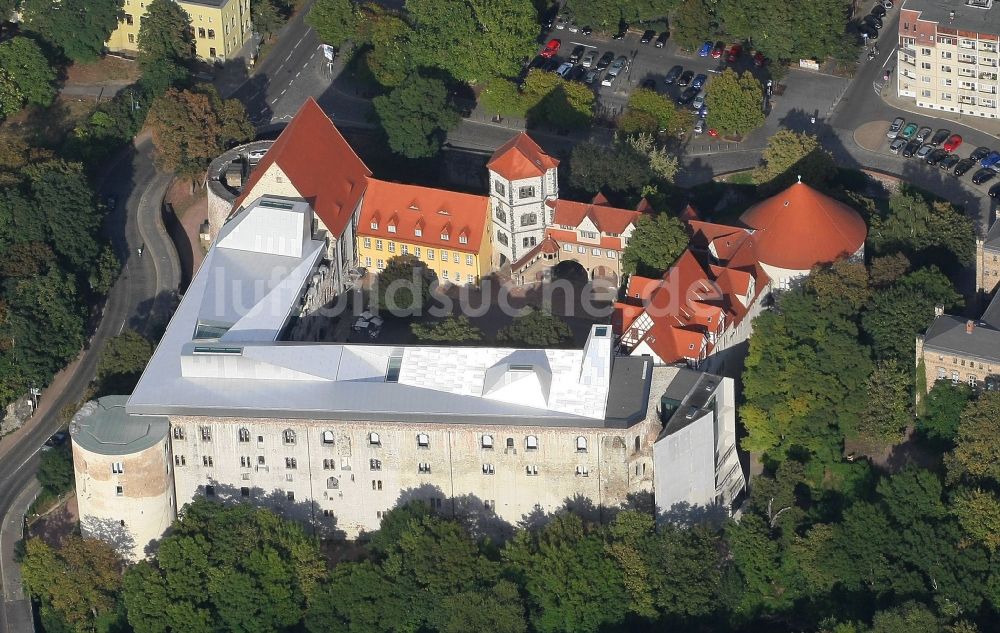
145	288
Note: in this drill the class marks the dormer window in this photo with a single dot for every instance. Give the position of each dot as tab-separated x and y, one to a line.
423	440
392	228
374	439
419	232
445	236
375	225
531	443
487	441
463	239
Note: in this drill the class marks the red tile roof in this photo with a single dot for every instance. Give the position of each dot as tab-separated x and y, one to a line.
689	213
319	163
606	219
800	228
434	211
519	158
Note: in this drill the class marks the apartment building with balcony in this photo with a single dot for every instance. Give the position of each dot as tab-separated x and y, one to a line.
948	56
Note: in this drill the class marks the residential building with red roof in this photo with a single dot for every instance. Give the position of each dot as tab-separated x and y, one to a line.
522	179
445	229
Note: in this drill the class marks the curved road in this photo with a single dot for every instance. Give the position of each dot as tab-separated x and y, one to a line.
146	287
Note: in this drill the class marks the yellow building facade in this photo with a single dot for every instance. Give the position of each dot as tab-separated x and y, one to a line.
221	27
444	229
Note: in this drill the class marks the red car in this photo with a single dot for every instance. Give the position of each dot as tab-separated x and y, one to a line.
952	143
550	49
759	59
734	53
717	51
714	133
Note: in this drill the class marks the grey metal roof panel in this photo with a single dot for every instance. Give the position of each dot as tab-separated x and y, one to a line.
104	427
628	395
991	316
948	333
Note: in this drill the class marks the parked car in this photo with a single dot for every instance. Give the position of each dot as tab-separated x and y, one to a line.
718	50
940	136
661	41
561	21
699	81
953	143
577	73
983	175
699	126
873	21
685	78
909	131
949	161
698	102
687	96
868	32
586	30
895	127
923	134
573	27
994	190
618	66
980	153
911	148
963	166
564	68
588	58
990	160
878	10
57	439
605	60
897	145
672	75
703	112
734	53
759	59
551	49
577	53
924	150
705	49
647	36
936	156
591	76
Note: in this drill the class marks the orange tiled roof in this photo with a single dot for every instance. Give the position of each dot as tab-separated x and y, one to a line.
624	315
800	228
606	219
435	212
521	157
320	164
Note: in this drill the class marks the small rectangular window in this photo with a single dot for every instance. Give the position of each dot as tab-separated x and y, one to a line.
424	468
488	469
118	468
290	495
244	492
120	490
395	366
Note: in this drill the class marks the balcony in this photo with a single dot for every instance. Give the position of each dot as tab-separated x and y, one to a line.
966	60
909	52
988	76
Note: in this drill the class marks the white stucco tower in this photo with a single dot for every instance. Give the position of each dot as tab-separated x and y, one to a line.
523	178
124	476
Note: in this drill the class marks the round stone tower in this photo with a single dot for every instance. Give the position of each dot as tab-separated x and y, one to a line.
124	479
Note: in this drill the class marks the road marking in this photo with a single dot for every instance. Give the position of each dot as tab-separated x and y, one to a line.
274	101
313	55
289	57
298	73
263	110
890	57
284	91
296	45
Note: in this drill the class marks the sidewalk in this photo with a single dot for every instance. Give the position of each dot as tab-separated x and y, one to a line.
888	94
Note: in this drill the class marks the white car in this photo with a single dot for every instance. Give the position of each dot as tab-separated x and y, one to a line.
564	69
698	101
588	58
897	125
699	126
256	154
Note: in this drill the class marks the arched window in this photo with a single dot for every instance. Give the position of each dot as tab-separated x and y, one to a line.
502	238
374	439
581	444
636	442
328	437
487	441
423	441
244	435
528	219
531	442
289	436
332	483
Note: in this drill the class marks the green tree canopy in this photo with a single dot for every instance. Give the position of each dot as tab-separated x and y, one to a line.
79	27
593	167
268	16
404	285
55	470
653	113
942	411
536	328
166	43
692	23
800	29
977	453
734	102
656	242
416	115
789	155
604	14
191	127
30	73
978	512
335	21
926	232
121	363
452	329
548	98
887	412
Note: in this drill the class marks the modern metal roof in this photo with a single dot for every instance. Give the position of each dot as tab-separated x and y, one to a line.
252	280
104	427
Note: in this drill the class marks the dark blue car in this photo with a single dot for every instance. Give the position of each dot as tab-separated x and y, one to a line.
705	49
991	161
699	81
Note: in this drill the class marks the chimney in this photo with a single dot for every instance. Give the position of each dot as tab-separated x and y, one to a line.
969	326
939	310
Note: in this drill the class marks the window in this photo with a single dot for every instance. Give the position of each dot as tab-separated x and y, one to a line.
444	236
596	252
590	235
531	443
378	245
581	444
211	53
430	254
972	381
375	464
581	249
131	38
925	93
468	260
946	55
290	495
289	436
490	504
946	69
531	470
374	225
488	469
404	249
582	471
380	264
528	241
290	463
206	461
118	468
332	483
201	32
444	274
612	255
423	440
416	251
368	262
487	442
510	442
180	460
392	247
501	214
526	192
120	491
444	256
368	242
424	468
244	435
178	433
260	460
925	65
463	239
529	219
211	36
499	187
244	492
392	371
329	464
502	238
376	484
568	248
206	434
392	228
245	461
925	51
469	278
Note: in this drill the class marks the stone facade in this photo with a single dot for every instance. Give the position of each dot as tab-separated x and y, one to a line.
520	214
